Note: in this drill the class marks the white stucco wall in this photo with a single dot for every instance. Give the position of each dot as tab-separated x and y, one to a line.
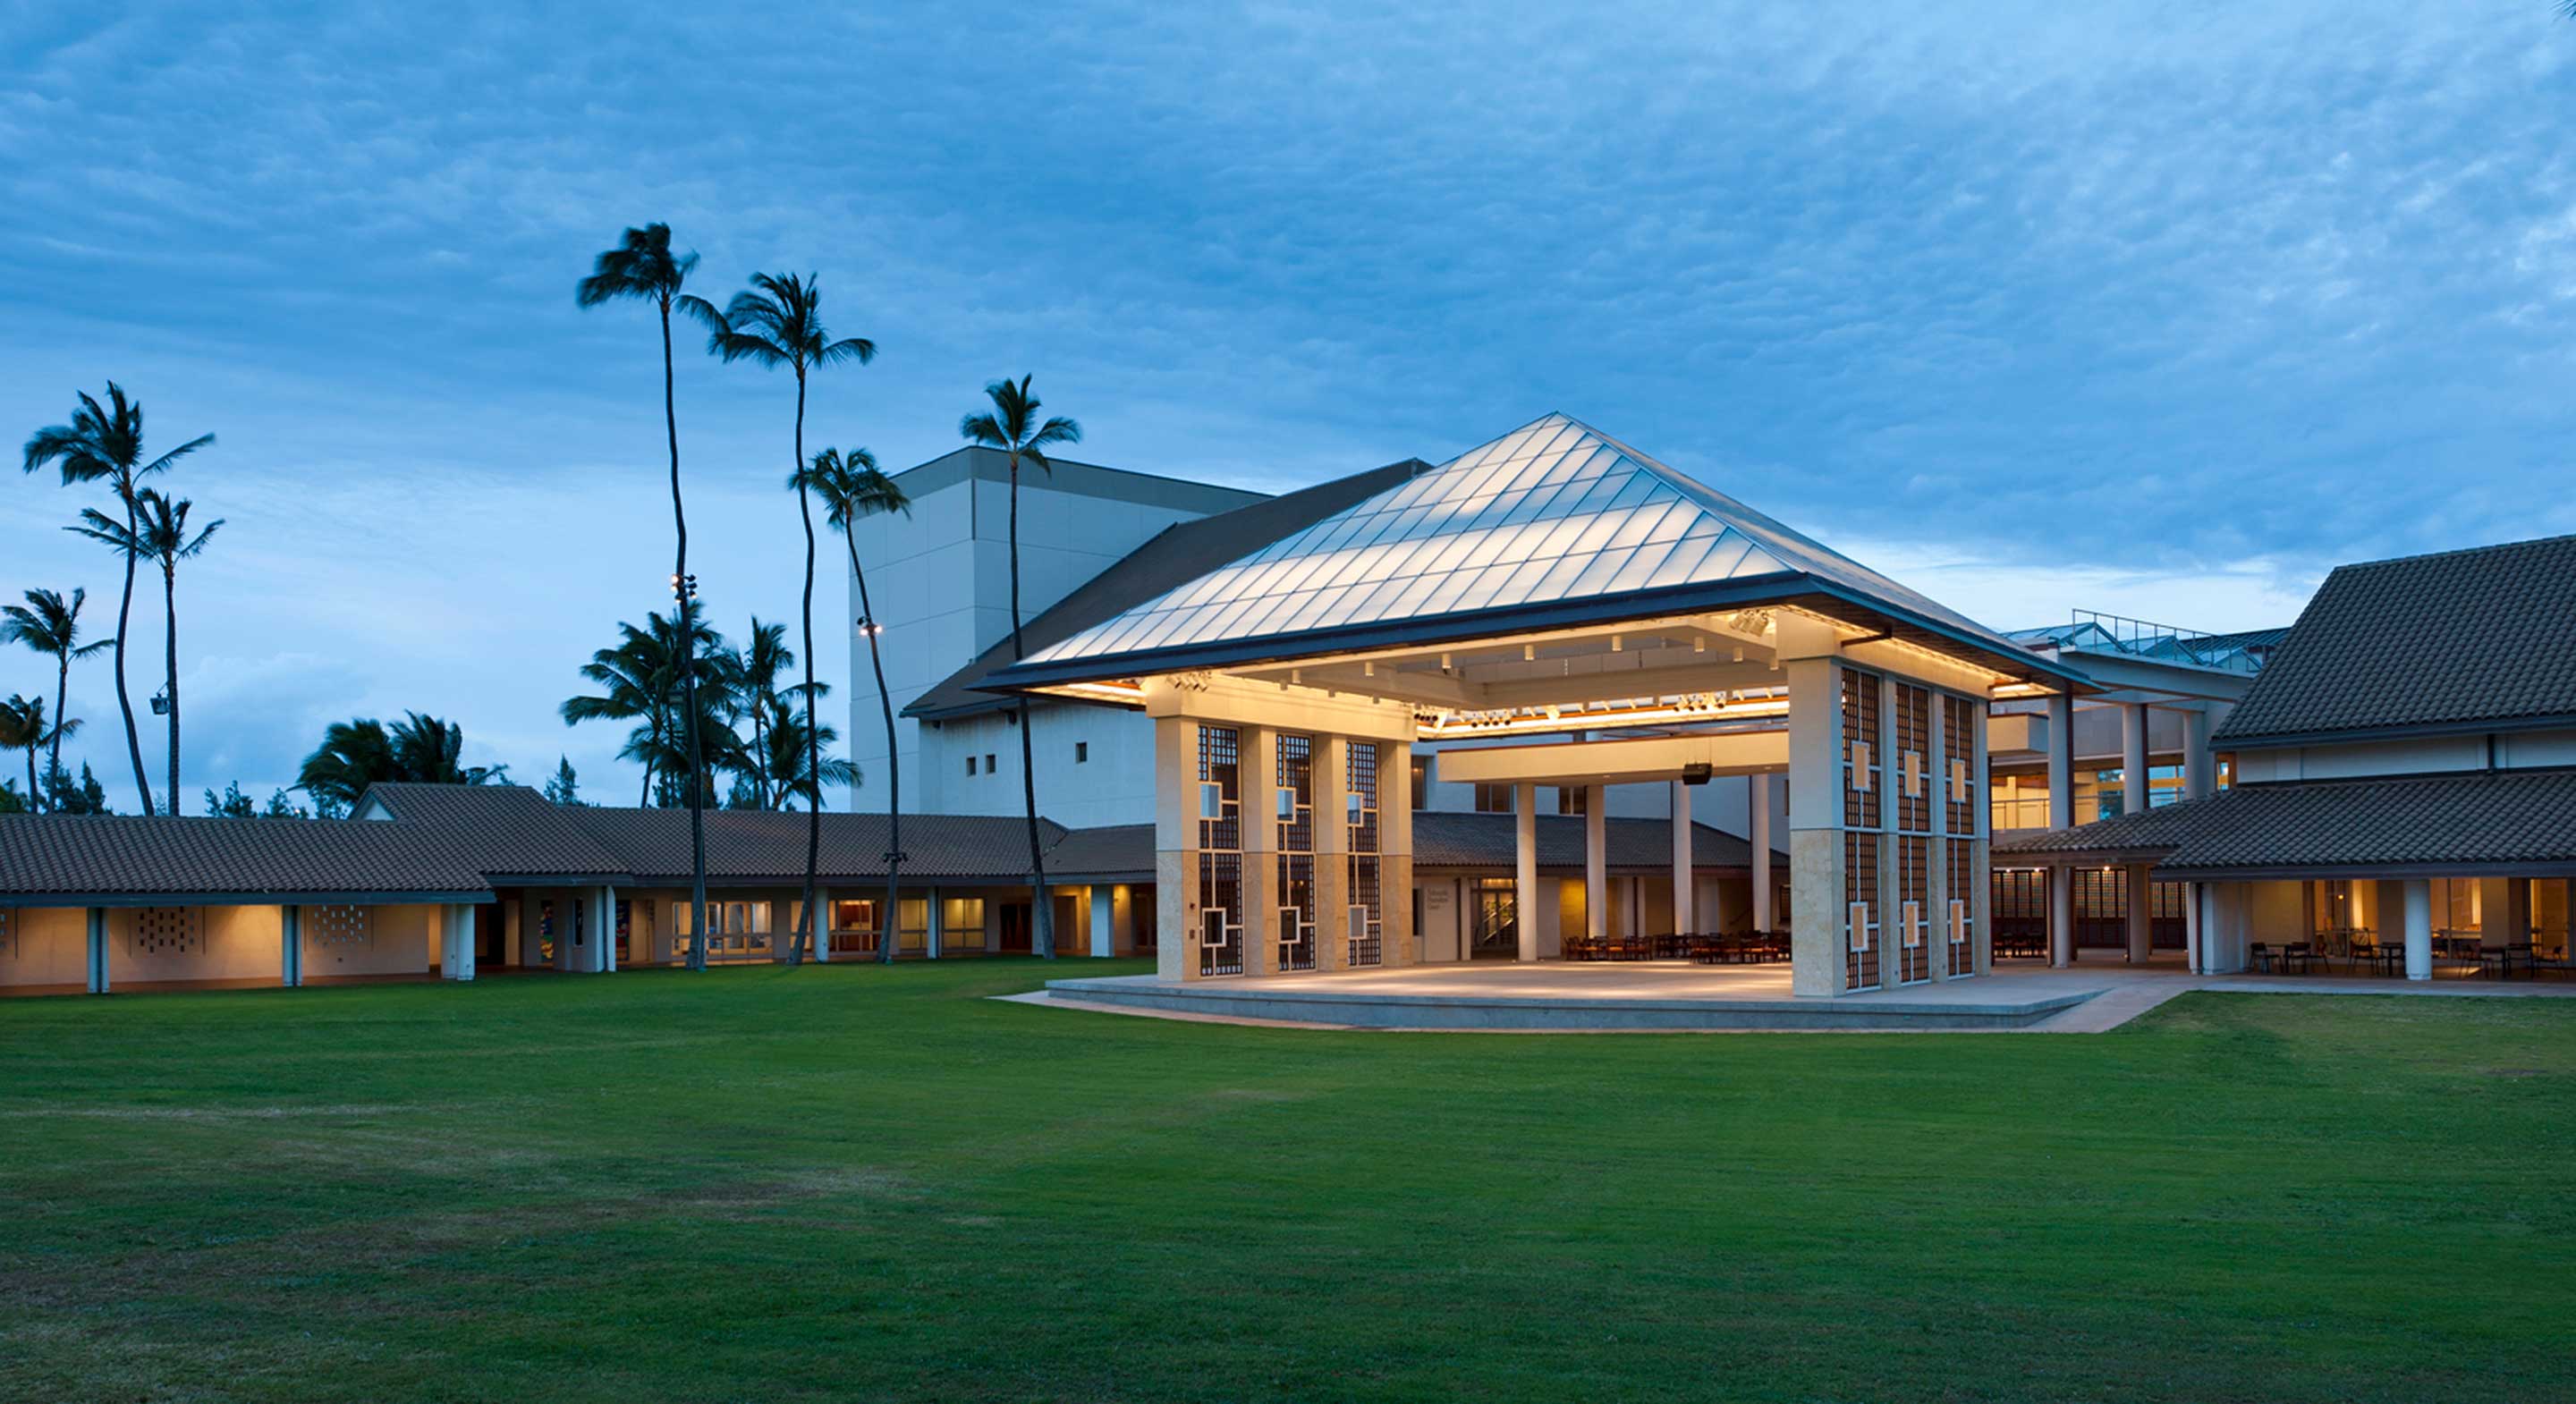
48	946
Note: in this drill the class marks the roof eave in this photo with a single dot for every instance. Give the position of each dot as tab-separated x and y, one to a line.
2264	741
1777	588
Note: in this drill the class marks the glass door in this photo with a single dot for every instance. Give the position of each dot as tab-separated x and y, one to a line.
1497	931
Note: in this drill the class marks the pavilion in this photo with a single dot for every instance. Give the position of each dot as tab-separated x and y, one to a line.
1580	615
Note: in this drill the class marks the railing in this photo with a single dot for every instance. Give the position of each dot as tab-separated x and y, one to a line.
2142	639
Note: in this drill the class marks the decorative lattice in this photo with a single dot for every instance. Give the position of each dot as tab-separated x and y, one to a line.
1960	921
1360	788
338	926
1294	776
1861	751
1220	851
1914	790
1914	907
169	931
1958	763
1860	911
8	933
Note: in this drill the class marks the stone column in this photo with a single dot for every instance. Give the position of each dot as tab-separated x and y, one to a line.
1525	855
1685	869
1176	841
1257	779
2199	765
2137	787
2142	913
1104	912
1331	787
1936	862
1815	827
2419	929
1396	936
1757	792
2061	815
1596	863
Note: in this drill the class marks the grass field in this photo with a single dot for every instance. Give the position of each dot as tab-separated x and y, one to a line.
856	1183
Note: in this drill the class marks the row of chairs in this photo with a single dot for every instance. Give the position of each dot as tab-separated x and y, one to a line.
1708	948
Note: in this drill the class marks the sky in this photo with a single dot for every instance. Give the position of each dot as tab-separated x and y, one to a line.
2159	308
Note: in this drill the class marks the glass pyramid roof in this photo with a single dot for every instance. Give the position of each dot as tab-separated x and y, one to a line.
1550	513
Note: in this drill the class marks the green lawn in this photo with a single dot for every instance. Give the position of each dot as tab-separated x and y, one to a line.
856	1183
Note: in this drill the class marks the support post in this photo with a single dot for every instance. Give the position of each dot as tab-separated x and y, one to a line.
2137	787
98	950
2191	952
1757	791
2199	765
460	943
1596	865
822	925
1397	940
2141	893
1685	884
1104	911
2419	929
931	938
1525	854
290	946
1815	827
2061	815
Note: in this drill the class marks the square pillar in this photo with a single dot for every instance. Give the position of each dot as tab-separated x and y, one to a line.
1596	862
2419	929
1104	911
930	919
1176	843
1815	827
2191	952
1331	786
1525	867
290	946
98	953
1685	869
1257	781
1395	802
2142	913
822	924
606	961
1757	792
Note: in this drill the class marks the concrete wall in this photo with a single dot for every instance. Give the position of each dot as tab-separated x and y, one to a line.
1111	783
940	581
400	940
2415	756
47	946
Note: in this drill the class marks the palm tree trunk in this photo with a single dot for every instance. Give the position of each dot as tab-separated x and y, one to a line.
170	670
805	924
689	664
125	702
1041	911
894	766
62	694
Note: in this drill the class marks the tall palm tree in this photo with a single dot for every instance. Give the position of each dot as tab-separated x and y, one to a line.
105	443
636	679
853	488
158	532
642	266
793	755
1012	426
779	322
51	626
361	752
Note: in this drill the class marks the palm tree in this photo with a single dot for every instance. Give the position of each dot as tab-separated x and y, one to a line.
754	673
106	443
779	322
793	753
643	266
51	626
852	489
361	752
22	728
1012	426
636	679
157	530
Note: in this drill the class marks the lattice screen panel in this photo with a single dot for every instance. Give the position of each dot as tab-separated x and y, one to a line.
1220	851
169	931
8	933
1367	916
329	927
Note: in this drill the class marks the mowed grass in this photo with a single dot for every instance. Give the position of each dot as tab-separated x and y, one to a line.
859	1183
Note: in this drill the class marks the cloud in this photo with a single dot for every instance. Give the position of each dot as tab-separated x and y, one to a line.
2163	305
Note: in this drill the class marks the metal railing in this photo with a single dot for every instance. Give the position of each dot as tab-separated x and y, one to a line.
2143	639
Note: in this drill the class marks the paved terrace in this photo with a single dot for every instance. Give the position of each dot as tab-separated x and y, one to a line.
1682	997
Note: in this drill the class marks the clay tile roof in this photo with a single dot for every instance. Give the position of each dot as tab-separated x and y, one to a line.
112	857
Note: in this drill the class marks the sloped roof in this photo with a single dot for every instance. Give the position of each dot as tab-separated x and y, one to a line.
510	831
1175	556
762	846
1442	839
2523	820
1550	517
60	857
1113	852
2453	641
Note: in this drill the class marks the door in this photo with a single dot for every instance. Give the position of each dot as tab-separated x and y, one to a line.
1015	928
1497	929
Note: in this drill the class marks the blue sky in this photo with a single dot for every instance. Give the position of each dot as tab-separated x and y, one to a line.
2154	307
